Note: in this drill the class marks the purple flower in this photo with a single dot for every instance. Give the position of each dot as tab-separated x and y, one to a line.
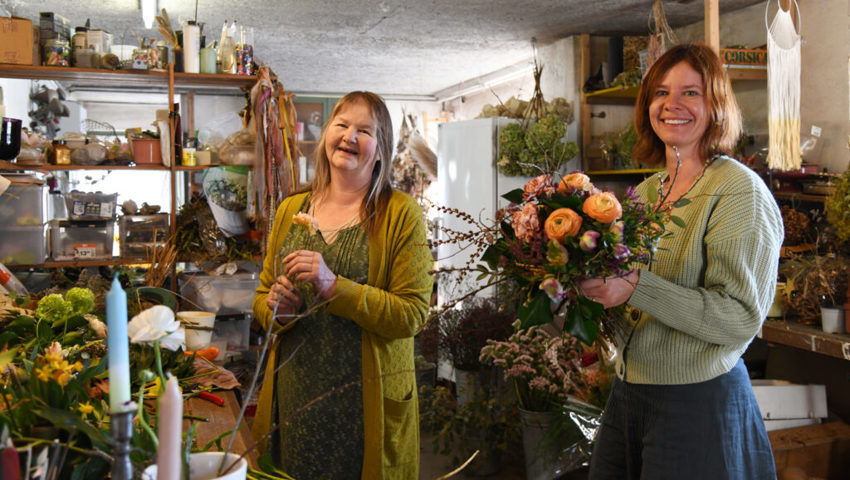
621	252
553	289
589	240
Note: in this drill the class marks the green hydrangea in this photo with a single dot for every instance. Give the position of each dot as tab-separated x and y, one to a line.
81	300
541	148
53	308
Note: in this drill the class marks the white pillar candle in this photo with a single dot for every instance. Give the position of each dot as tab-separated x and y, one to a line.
117	343
169	432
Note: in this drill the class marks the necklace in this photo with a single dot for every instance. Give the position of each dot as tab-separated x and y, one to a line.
663	194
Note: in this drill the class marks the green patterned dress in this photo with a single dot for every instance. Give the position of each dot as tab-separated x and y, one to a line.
325	440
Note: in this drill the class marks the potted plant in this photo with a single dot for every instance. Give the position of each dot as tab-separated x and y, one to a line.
814	283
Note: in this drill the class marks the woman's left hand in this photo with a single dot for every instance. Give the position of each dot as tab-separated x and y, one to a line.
310	266
611	291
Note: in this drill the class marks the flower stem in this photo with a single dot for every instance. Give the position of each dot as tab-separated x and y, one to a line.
159	363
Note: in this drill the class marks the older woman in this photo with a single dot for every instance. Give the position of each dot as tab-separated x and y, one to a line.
682	405
346	281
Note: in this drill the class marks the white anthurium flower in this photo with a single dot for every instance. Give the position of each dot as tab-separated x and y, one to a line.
157	323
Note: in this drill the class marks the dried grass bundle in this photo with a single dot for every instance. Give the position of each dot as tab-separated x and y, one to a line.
162	263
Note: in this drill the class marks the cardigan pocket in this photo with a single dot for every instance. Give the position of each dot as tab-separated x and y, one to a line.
401	435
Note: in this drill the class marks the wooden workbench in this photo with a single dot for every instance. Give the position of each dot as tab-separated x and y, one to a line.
221	419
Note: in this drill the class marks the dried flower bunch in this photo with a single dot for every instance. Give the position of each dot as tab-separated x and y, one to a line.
547	371
556	233
465	331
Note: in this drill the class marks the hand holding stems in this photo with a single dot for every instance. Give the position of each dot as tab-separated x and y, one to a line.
310	266
610	291
300	265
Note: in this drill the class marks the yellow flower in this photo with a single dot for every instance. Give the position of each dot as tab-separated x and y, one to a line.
43	374
62	378
86	408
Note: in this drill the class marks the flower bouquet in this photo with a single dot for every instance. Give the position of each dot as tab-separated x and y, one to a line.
555	234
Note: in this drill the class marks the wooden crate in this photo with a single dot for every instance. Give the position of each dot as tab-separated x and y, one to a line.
822	451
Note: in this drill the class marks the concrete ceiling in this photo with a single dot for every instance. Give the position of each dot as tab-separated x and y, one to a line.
398	48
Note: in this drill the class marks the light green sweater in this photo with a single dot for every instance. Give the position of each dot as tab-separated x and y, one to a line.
705	298
390	308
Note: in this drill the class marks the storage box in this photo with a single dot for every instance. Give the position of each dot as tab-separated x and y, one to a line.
223	294
81	241
139	234
780	400
16	41
22	245
24	205
54	26
91	206
99	40
822	451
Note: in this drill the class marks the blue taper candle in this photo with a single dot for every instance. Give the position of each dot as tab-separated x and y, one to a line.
118	348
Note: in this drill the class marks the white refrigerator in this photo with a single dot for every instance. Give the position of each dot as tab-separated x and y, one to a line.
469	181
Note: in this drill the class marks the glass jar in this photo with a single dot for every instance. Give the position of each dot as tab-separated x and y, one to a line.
56	53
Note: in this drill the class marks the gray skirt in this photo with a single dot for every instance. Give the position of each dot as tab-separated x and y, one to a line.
709	430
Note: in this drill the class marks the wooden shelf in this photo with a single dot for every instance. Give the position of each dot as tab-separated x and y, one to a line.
50	167
124	77
613	96
77	263
737	73
804	337
805	197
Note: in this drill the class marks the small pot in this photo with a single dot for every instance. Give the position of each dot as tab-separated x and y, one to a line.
832	318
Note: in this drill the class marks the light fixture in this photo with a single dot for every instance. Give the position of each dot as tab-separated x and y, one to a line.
148	12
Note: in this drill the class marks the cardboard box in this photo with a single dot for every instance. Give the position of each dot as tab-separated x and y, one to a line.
16	41
781	400
822	451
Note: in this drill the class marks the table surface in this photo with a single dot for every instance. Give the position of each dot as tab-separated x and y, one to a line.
221	419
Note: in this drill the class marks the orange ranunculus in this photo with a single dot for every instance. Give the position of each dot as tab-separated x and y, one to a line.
603	207
562	223
573	182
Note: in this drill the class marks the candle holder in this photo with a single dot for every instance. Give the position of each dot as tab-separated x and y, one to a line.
121	427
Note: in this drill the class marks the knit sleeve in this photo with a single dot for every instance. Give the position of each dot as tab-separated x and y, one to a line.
395	302
737	264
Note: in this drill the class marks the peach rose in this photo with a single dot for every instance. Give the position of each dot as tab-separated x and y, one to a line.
537	187
603	207
562	223
525	222
573	182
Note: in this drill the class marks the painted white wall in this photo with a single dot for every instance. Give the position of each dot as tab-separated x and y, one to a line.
16	98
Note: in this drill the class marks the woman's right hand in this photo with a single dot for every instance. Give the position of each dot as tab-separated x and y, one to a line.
285	297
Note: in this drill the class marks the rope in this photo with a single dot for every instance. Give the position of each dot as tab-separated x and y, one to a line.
783	92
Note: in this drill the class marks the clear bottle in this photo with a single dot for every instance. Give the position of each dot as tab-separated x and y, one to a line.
228	55
10	283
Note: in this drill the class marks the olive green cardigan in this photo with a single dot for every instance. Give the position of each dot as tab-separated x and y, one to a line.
390	308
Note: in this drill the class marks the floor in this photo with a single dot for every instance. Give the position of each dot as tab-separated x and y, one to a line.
434	466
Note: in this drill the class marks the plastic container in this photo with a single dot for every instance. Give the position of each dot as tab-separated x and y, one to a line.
22	245
146	151
81	241
222	294
23	205
199	328
91	207
140	234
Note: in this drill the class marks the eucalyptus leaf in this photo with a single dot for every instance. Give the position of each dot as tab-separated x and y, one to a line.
678	221
514	196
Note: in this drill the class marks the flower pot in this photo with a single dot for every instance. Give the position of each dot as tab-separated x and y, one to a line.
832	319
146	151
548	455
204	465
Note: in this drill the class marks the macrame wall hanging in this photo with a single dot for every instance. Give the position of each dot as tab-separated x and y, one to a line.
660	34
783	90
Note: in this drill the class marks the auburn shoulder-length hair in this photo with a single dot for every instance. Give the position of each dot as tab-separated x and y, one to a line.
724	126
374	206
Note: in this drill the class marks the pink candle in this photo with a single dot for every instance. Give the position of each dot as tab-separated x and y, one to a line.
169	432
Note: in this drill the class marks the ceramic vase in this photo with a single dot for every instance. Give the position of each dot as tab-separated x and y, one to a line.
204	465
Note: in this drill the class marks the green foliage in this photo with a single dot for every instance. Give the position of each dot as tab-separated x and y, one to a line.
541	147
837	207
81	300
